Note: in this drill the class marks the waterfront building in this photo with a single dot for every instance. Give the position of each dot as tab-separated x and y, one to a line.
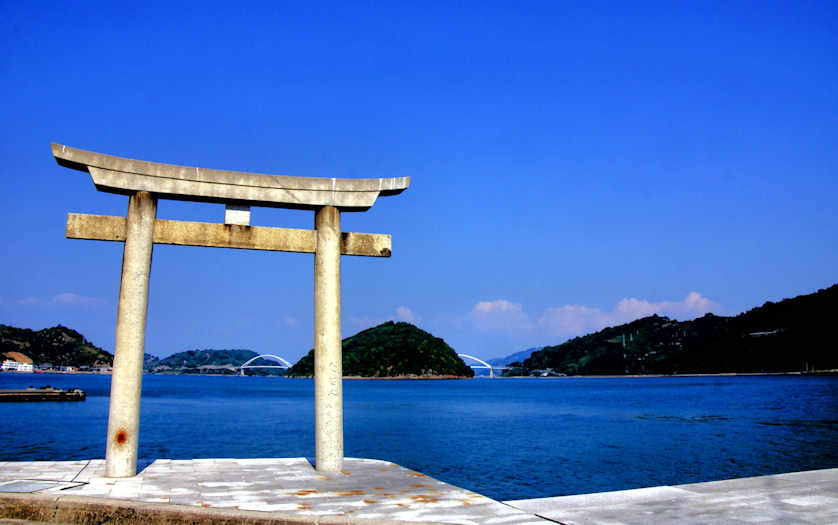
11	365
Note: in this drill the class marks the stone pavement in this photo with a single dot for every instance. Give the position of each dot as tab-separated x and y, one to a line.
385	492
796	498
367	489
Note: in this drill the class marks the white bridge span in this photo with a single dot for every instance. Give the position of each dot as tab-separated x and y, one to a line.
283	363
484	363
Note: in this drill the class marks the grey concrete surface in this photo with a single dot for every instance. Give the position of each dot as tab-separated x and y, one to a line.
127	176
24	509
365	490
328	361
126	381
185	233
797	498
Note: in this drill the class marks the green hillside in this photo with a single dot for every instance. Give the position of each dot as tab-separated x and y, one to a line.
58	345
791	335
390	350
207	362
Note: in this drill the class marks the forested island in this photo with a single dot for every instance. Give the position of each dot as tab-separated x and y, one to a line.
791	335
209	361
393	350
388	350
57	346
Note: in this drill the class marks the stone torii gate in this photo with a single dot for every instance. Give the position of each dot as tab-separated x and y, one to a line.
144	183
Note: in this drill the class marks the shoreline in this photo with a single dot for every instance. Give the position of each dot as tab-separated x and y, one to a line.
817	373
406	378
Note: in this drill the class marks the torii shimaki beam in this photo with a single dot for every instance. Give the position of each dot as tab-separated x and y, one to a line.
146	182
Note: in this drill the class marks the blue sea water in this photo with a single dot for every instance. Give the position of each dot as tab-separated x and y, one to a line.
505	438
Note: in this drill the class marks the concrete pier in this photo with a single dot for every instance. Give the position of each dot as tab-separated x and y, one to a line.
126	381
328	361
251	491
289	490
809	497
42	394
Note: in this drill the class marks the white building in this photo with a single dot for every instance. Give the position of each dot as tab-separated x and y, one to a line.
14	366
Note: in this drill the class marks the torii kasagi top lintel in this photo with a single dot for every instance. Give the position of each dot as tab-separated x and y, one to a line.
126	176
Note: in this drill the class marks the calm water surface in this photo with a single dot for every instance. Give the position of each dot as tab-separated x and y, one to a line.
506	438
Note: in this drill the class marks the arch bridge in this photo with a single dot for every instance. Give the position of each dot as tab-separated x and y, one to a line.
283	363
483	363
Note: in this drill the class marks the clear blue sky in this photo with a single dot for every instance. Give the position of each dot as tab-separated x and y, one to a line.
572	167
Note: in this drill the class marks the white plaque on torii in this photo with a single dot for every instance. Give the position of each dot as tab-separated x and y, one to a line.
145	183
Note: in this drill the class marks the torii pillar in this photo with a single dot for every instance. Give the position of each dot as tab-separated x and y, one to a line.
145	183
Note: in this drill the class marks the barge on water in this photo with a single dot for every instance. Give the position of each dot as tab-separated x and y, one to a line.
43	394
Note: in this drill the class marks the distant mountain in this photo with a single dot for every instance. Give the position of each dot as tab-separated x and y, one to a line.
58	346
517	356
791	335
207	362
393	349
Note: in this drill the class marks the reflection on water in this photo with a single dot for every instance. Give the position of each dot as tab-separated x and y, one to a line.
506	438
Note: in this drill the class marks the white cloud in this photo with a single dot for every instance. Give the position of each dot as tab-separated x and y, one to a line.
497	306
62	299
403	313
362	323
500	315
575	320
572	320
75	299
288	321
632	308
693	305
